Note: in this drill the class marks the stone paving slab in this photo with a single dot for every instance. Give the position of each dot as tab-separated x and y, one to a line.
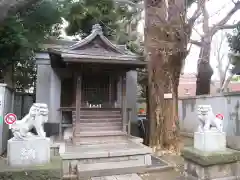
119	177
104	150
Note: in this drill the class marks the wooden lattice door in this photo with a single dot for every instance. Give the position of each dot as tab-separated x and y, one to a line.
95	90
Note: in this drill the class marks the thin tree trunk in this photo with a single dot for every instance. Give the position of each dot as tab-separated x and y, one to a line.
205	73
205	70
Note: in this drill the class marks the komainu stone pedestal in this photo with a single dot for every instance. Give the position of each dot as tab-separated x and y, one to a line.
33	151
210	141
219	165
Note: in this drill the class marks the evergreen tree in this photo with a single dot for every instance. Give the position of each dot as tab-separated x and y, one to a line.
21	35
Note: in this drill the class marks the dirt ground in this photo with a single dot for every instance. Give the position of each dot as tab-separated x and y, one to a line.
176	161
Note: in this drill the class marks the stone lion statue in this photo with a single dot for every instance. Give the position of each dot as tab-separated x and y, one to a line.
208	120
37	116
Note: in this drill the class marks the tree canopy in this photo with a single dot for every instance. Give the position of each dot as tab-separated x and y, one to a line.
10	7
22	33
113	18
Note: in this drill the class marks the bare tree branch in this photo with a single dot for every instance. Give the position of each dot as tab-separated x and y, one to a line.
184	61
221	23
226	83
193	28
218	53
228	26
225	71
8	7
195	16
195	42
213	14
205	16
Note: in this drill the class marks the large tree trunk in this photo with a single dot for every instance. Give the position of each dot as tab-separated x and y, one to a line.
165	44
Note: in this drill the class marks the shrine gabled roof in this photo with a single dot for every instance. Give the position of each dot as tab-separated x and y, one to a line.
96	47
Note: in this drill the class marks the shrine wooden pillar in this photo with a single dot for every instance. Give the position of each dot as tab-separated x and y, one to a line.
78	81
124	102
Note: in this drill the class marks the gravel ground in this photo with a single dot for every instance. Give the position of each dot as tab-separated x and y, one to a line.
51	171
31	175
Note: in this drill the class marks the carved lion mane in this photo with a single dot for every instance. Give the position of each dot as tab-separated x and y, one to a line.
37	116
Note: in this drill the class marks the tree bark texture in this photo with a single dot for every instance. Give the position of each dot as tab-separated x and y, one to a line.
165	45
205	71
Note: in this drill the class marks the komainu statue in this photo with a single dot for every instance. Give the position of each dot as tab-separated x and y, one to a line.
37	116
208	120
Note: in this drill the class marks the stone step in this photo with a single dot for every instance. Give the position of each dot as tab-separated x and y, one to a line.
100	120
99	114
99	128
98	124
99	140
99	133
109	172
94	116
112	163
100	110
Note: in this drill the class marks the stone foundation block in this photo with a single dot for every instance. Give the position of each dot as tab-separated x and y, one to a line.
199	165
22	153
215	172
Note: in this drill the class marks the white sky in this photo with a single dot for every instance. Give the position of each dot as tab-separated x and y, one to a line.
217	10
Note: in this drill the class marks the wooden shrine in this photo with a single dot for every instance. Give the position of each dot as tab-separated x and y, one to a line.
92	73
84	84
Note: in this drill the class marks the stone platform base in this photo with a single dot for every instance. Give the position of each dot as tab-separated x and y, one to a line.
23	153
200	165
210	141
84	159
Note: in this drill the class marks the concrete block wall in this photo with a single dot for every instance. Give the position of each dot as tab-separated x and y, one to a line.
227	104
6	106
